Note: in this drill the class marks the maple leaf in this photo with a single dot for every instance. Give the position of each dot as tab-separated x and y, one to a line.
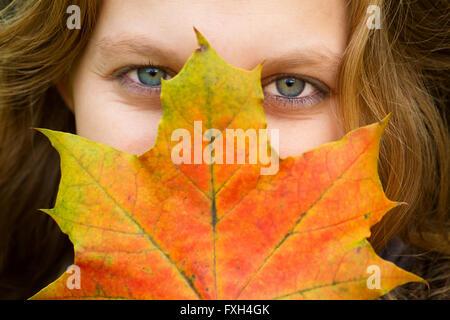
144	227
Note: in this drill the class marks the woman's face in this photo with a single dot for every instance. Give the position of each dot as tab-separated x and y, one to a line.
115	91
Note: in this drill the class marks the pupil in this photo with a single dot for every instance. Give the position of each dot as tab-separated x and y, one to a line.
290	82
152	72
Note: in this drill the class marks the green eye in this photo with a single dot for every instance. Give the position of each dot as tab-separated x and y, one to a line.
151	76
290	87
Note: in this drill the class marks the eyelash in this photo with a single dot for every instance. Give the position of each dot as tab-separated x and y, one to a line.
272	102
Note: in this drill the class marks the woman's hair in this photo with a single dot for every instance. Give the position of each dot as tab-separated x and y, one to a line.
36	49
400	68
403	68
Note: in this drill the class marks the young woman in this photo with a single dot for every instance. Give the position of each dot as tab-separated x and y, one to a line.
327	71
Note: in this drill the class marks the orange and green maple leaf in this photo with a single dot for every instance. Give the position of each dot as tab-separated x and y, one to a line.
145	228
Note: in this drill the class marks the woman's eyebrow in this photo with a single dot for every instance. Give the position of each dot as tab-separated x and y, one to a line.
320	58
140	46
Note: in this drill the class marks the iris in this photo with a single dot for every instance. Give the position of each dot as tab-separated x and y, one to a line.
290	87
151	76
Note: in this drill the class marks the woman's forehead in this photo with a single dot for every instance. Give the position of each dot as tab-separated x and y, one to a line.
243	32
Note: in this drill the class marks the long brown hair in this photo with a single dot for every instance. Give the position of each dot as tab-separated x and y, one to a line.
36	49
401	68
